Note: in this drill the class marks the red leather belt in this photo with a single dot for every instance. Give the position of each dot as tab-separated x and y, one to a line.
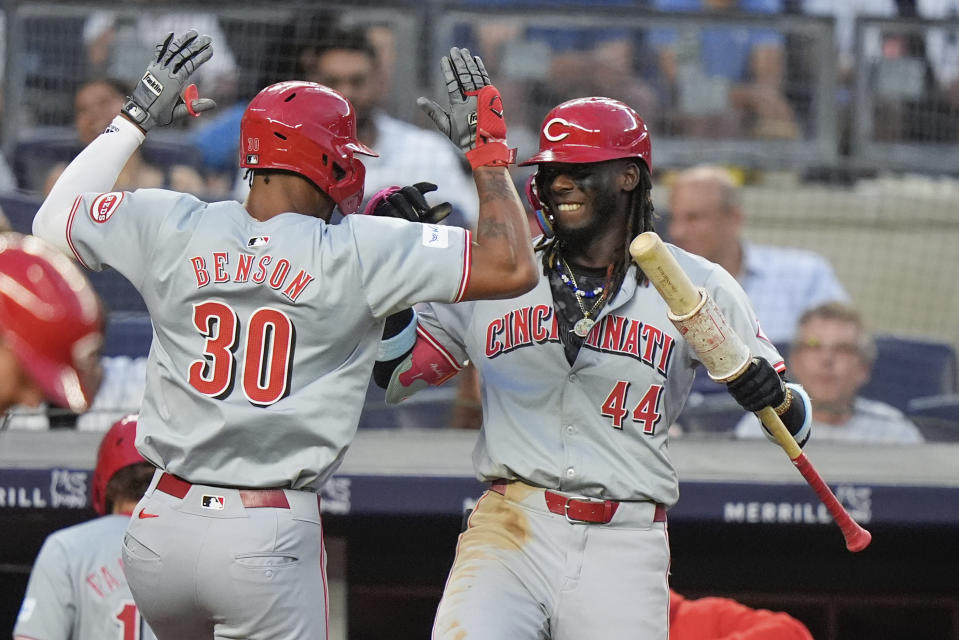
592	510
251	498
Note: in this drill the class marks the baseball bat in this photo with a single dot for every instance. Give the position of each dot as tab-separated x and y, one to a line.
726	357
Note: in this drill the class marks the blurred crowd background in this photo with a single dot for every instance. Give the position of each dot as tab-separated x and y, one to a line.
837	121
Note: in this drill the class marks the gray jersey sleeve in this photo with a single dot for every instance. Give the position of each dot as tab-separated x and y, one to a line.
120	229
49	605
402	263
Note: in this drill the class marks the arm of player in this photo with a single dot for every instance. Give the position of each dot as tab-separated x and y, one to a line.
156	100
502	265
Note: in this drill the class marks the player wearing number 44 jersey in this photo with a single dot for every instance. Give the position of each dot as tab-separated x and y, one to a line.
582	377
77	590
267	323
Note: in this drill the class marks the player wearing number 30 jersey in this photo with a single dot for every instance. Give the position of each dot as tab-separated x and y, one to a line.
267	322
582	377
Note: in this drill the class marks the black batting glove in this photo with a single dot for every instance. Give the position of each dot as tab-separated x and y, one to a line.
408	203
758	387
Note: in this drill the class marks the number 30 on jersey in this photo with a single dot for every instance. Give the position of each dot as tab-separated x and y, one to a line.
268	353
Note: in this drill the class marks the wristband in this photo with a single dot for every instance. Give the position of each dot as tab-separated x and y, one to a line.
392	348
784	405
492	154
803	434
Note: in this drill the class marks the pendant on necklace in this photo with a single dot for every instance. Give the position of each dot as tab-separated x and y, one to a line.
582	327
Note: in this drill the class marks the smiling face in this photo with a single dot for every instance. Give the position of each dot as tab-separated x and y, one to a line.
587	200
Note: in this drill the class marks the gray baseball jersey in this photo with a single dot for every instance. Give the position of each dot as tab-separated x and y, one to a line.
265	333
77	589
596	428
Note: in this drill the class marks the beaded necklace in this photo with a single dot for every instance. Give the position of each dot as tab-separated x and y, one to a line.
585	324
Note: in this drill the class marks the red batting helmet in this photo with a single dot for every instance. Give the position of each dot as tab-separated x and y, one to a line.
592	130
117	451
51	319
308	129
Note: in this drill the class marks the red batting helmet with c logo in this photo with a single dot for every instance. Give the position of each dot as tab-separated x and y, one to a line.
308	129
52	320
592	130
587	130
117	451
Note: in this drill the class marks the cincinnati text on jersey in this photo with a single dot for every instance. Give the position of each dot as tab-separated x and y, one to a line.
248	268
613	334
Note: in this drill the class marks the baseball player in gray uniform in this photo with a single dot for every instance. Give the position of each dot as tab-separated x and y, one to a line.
267	322
77	590
582	377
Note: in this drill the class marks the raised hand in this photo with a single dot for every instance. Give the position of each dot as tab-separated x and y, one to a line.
474	120
157	99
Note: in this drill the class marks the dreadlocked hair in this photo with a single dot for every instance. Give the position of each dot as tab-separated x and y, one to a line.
639	221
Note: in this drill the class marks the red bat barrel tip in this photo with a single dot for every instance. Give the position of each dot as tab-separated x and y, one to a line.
859	540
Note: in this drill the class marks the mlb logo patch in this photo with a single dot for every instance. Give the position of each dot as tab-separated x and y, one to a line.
212	502
258	241
104	205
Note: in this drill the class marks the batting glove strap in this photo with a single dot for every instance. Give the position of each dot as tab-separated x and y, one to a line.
492	154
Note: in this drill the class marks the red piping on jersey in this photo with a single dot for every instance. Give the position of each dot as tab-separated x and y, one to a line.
73	213
467	265
780	366
425	335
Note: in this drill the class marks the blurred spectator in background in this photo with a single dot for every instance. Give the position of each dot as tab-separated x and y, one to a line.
913	76
95	105
77	590
119	44
832	357
4	223
540	65
725	81
706	218
726	619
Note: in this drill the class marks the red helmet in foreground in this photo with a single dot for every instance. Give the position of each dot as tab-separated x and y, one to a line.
308	129
592	130
117	451
52	320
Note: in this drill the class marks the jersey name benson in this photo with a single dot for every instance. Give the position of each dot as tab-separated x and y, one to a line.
613	334
274	272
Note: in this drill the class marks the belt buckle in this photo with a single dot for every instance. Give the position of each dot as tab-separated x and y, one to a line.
579	499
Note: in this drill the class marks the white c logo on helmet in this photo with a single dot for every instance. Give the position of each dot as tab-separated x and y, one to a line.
566	123
550	136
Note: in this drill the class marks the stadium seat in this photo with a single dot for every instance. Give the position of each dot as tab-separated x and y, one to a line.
936	416
710	415
20	208
128	334
909	368
37	151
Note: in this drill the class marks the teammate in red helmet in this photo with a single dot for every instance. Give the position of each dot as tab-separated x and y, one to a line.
77	590
582	377
267	320
51	327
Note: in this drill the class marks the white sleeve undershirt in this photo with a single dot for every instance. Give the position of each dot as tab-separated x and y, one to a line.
95	169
